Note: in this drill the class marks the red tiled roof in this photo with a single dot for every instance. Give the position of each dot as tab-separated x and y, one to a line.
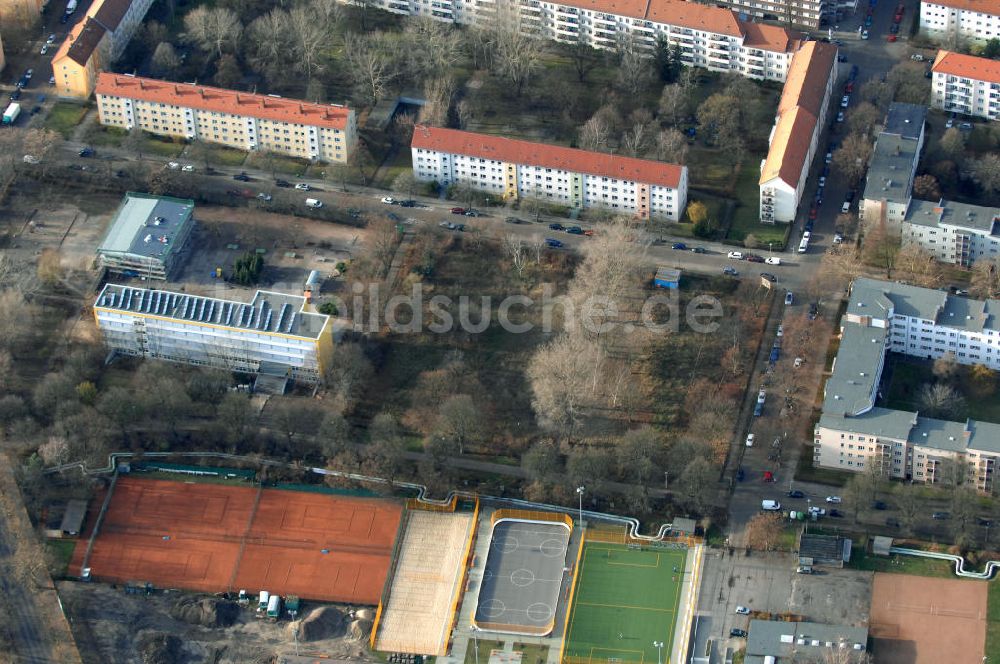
981	6
770	37
808	74
789	147
675	12
222	100
516	151
81	42
968	66
110	13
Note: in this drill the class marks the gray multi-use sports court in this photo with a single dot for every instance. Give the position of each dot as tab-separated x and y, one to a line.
522	576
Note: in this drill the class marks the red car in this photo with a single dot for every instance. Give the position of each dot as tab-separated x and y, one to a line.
812	213
891	38
897	18
458	210
849	88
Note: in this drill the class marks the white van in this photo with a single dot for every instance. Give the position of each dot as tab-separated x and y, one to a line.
770	505
314	203
846	207
262	601
804	245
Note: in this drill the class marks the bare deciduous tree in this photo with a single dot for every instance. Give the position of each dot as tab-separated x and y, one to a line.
517	252
594	134
851	158
561	374
673	103
671	146
213	29
516	51
371	60
764	531
985	282
460	420
165	60
635	70
941	400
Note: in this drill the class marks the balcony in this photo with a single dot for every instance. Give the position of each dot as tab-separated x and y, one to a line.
534	8
399	6
569	11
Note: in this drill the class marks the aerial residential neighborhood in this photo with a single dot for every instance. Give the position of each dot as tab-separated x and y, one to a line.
500	332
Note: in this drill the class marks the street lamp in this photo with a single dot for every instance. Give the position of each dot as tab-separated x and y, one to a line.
475	640
579	493
659	651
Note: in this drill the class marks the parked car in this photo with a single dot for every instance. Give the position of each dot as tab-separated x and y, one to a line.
283	183
473	213
514	220
816	511
836	514
388	200
735	255
408	203
917	56
754	258
555	227
864	35
302	186
834	500
940	516
242	177
894	28
803	569
796	494
458	210
813	310
187	168
773	260
85	152
840	116
729	271
44	49
822	181
699	250
770	277
574	230
789	297
828	158
742	611
738	633
264	197
891	38
965	126
174	166
679	245
16	94
781	330
749	440
844	101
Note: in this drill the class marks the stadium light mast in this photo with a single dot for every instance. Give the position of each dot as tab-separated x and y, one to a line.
579	493
659	651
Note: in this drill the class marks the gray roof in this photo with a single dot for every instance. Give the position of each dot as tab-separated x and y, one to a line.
959	215
892	167
881	422
906	120
984	436
147	225
72	521
822	548
851	387
267	312
939	434
766	638
870	297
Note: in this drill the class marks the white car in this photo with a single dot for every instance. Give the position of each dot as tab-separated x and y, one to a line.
742	611
798	362
749	440
761	396
45	49
789	298
828	158
173	165
781	328
51	39
817	511
835	500
187	168
302	186
735	255
772	260
844	101
950	123
864	35
822	181
840	116
388	200
264	197
31	159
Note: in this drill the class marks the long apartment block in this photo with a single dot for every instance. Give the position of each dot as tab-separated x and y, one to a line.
893	166
956	233
709	37
966	84
274	333
794	137
853	434
238	120
516	169
972	19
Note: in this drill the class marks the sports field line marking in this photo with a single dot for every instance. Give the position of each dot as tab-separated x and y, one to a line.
642	653
626	606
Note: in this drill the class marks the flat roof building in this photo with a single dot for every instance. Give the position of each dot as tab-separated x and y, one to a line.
889	184
956	233
780	642
273	333
147	236
853	434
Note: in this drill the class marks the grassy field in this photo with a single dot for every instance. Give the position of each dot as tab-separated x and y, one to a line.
625	599
107	136
908	376
862	560
993	622
164	148
62	552
746	218
64	117
484	646
224	156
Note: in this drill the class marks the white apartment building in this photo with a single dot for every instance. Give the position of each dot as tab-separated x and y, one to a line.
707	36
954	233
966	84
794	137
889	181
853	433
273	334
239	120
517	169
972	19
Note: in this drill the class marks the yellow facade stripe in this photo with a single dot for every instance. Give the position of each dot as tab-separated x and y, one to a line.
572	594
213	326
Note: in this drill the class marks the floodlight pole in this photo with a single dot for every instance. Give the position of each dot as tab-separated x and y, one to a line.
659	651
579	493
475	640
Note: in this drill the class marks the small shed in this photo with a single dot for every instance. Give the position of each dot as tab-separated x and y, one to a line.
667	277
881	545
72	521
684	526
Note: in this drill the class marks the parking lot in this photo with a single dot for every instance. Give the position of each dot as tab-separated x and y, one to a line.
769	583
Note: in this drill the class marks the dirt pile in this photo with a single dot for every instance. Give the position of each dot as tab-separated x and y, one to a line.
361	629
157	648
205	611
322	623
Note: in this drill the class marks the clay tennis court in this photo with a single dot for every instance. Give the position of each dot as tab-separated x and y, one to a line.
921	620
212	537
